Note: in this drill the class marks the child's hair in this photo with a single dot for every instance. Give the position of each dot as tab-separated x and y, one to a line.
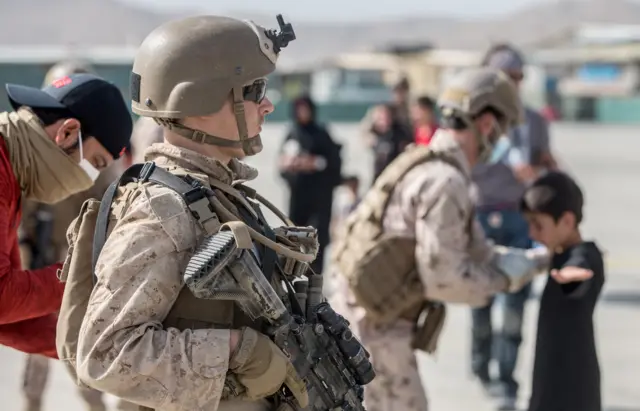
553	194
426	103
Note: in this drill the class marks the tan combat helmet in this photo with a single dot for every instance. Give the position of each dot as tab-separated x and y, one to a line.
189	67
65	68
473	91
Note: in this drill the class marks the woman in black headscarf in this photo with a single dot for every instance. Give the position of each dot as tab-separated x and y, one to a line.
311	165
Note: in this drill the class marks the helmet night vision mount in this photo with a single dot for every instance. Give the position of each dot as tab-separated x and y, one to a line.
281	40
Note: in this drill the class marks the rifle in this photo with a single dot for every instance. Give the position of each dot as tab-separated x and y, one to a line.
323	350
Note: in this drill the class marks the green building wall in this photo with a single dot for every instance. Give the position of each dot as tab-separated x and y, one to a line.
33	75
604	110
618	110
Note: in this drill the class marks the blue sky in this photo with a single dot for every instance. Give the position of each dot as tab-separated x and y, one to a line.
349	10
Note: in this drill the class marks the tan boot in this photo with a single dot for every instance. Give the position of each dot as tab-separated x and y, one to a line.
33	405
92	399
126	406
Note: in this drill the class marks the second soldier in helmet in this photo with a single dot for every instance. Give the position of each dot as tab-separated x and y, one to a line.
412	243
144	337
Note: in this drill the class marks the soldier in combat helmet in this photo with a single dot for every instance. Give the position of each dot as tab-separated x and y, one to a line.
146	338
413	244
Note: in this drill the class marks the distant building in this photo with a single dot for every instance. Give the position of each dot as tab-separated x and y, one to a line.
28	65
597	72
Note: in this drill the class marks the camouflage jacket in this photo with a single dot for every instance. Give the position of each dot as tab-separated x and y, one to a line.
434	204
124	349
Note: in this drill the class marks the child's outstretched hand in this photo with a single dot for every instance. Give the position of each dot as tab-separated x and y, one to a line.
571	274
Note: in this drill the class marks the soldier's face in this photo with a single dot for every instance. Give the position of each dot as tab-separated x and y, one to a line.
224	124
256	105
255	114
487	132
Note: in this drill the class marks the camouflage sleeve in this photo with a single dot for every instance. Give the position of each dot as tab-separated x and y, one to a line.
453	267
123	348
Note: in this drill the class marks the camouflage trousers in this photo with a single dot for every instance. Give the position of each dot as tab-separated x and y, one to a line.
34	382
397	386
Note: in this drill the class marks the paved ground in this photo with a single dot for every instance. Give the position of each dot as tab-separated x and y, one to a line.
604	159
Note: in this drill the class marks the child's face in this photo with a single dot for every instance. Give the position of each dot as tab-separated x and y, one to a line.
543	229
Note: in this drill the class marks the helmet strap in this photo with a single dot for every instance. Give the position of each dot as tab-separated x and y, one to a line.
250	145
196	135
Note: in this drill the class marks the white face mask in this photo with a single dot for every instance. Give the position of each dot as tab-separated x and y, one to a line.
88	168
501	150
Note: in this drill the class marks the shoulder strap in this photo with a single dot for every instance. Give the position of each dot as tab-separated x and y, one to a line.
409	159
192	192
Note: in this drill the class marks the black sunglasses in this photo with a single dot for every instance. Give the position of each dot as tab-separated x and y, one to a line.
255	92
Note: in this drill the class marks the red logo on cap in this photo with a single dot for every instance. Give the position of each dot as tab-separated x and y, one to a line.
61	82
124	150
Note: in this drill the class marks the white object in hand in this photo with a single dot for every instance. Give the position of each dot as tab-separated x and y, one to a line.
520	265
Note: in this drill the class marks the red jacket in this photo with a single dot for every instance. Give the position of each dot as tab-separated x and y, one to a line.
424	134
29	299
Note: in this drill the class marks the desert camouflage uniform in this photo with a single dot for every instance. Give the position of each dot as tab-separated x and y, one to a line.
122	347
36	371
432	203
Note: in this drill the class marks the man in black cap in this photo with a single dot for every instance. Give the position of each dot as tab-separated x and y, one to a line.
517	160
53	145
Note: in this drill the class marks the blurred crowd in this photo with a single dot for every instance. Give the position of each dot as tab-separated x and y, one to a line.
310	163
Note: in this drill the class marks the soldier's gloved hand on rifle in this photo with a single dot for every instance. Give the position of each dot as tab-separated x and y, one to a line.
263	369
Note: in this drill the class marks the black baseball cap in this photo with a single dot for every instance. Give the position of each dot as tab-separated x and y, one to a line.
95	102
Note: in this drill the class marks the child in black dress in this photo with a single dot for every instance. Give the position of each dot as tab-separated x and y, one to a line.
566	373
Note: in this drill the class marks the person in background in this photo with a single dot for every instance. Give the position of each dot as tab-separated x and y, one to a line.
425	122
310	163
400	104
391	137
146	132
516	160
344	206
566	370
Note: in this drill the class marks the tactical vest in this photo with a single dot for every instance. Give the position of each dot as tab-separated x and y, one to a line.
379	266
212	203
189	312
